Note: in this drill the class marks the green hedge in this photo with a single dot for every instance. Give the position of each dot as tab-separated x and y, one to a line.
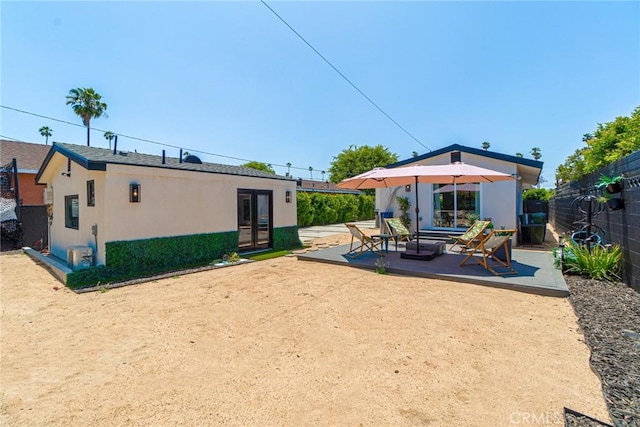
169	252
285	238
139	258
323	208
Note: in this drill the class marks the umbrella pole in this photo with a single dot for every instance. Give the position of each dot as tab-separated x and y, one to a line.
417	218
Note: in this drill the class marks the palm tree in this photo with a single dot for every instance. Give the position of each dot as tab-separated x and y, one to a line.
486	145
311	172
519	155
414	154
46	131
108	135
535	152
288	169
87	104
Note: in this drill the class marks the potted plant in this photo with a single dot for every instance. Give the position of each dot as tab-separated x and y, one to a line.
614	203
611	184
405	204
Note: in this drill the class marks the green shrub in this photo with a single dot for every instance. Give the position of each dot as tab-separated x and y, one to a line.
285	238
305	209
602	263
321	208
366	206
538	194
92	276
169	252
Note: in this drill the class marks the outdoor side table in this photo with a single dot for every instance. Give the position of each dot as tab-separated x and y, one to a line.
385	240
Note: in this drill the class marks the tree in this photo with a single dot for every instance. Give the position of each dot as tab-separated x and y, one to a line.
486	145
519	155
46	131
259	166
87	104
414	154
610	142
535	152
311	172
108	135
356	160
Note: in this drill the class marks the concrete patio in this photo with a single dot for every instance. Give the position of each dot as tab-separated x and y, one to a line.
536	273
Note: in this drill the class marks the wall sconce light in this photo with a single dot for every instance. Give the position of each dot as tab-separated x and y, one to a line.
407	187
287	196
134	193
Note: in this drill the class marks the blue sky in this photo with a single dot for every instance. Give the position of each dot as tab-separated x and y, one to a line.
229	78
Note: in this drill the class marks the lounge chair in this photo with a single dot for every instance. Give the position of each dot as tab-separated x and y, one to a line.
470	237
364	243
488	246
397	229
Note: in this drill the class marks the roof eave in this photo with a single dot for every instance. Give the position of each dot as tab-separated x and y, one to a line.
457	147
87	164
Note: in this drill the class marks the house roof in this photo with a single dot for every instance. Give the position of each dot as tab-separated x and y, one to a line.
528	169
94	158
29	156
457	147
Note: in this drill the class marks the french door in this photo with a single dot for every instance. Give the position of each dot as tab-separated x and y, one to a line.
255	223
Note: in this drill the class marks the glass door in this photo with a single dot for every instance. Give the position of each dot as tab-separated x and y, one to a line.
455	205
255	223
245	221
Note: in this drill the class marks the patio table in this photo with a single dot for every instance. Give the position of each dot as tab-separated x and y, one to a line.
385	240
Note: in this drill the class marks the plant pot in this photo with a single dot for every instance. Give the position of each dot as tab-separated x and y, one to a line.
615	204
614	188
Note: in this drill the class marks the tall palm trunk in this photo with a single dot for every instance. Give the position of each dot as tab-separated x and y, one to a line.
88	132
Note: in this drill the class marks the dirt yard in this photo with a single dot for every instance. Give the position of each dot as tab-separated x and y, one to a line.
287	342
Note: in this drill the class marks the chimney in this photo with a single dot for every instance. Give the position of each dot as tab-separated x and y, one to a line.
456	157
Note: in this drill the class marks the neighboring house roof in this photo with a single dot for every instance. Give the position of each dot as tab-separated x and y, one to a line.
322	187
529	167
29	157
94	158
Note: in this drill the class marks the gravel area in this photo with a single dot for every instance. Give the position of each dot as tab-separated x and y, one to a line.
609	316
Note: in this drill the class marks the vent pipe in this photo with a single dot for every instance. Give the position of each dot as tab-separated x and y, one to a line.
163	158
115	146
181	155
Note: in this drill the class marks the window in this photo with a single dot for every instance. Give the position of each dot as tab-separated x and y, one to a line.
71	211
91	193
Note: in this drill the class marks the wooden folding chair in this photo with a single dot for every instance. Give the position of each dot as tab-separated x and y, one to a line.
488	246
471	237
364	243
397	229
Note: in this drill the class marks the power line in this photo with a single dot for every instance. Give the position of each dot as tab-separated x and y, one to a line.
343	76
149	140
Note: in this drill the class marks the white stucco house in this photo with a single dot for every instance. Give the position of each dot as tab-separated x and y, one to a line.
445	207
140	211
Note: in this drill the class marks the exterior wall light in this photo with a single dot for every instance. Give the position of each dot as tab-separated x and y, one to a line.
407	187
287	196
134	193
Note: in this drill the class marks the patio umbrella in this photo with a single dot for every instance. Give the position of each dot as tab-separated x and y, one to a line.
453	173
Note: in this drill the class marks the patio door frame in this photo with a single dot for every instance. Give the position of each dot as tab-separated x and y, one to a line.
254	222
454	221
